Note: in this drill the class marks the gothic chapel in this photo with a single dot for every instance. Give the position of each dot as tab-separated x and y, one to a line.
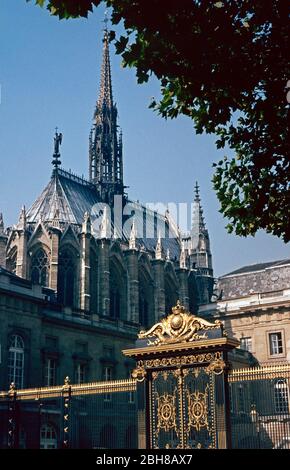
67	243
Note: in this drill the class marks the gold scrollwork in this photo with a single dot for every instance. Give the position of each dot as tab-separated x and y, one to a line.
166	412
197	409
181	360
217	366
180	326
139	374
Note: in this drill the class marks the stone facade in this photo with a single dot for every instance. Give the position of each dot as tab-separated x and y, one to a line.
62	334
254	304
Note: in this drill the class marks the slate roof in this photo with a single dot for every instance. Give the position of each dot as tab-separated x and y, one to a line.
257	267
72	196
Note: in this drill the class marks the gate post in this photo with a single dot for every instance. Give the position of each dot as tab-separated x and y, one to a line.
66	393
181	367
13	425
139	375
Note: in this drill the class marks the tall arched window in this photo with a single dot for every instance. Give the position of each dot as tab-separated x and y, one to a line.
16	361
146	295
93	281
281	396
115	301
40	267
48	437
66	278
117	290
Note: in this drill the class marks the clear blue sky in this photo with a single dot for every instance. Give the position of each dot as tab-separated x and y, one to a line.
49	75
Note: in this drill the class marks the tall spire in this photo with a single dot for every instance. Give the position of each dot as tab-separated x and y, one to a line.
197	225
105	145
105	94
200	245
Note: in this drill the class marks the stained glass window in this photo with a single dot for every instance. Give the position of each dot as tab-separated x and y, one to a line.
40	268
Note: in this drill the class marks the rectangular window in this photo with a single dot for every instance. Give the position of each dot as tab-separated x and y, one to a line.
107	377
246	343
80	373
50	372
16	368
281	397
275	341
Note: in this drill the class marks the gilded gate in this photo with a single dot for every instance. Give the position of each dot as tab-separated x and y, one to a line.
183	408
181	365
182	395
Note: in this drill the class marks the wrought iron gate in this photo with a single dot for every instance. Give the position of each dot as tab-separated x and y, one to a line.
183	408
183	371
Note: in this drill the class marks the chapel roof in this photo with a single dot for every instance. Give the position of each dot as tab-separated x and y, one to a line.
70	196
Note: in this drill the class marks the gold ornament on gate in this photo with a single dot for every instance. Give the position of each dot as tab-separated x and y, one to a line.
166	412
197	410
180	326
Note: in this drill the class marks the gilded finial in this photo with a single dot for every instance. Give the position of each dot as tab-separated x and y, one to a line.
12	389
67	380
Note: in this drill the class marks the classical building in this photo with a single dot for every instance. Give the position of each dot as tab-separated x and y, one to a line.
85	266
254	304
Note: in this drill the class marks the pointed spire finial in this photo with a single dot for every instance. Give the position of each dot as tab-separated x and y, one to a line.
86	226
105	225
133	236
158	249
106	94
198	224
182	259
56	154
22	219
